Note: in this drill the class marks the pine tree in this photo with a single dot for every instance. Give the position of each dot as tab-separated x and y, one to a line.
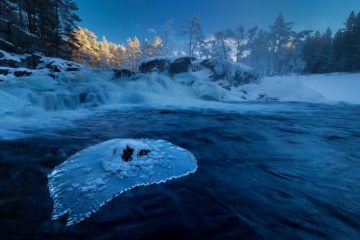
351	41
258	50
239	36
68	18
105	53
118	54
52	21
339	60
194	30
280	35
168	39
318	53
78	40
222	50
133	51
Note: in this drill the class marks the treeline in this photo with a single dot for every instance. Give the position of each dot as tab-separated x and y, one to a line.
275	51
279	49
88	50
324	53
52	21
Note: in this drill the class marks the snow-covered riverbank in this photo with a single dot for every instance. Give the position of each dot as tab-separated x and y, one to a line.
315	88
52	95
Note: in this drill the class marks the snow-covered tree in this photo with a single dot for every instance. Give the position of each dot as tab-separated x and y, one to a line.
92	48
194	30
151	49
222	49
205	49
105	53
240	40
258	50
168	39
118	55
79	40
133	52
85	47
67	19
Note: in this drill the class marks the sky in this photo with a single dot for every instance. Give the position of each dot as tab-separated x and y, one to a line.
121	19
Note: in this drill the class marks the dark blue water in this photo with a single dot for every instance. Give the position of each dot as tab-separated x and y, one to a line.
291	174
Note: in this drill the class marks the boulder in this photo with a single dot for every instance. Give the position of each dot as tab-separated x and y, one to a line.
156	65
53	67
235	73
22	73
72	69
123	73
164	65
180	65
10	63
31	61
215	73
4	72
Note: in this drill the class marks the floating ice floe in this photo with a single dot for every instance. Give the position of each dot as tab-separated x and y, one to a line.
95	175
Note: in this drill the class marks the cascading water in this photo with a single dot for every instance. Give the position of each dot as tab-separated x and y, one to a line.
41	101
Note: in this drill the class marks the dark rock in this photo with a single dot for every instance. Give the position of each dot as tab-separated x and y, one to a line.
22	73
82	97
72	69
31	62
52	67
180	65
4	71
127	154
143	152
9	47
156	65
121	73
211	65
236	74
10	63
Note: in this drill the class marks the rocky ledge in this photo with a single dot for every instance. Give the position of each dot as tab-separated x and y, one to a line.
218	70
21	65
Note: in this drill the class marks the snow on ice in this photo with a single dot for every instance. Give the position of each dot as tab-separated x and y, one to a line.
96	175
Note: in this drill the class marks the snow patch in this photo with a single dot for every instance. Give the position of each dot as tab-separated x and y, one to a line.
316	88
13	56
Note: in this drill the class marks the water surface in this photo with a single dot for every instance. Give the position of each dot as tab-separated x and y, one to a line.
289	173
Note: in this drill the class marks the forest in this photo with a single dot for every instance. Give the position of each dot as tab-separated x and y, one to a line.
276	50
